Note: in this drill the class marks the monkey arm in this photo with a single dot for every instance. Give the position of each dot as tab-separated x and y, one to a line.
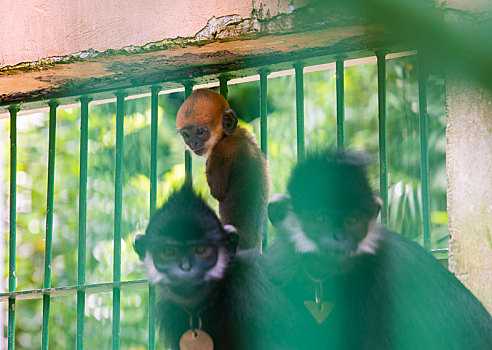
219	166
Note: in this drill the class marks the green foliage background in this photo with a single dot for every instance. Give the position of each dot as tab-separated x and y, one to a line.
320	130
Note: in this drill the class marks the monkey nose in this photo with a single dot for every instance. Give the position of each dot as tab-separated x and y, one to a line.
185	265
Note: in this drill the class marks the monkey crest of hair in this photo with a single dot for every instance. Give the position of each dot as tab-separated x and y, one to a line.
175	215
332	180
202	104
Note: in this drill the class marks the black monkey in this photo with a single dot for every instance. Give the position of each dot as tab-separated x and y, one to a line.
208	293
356	285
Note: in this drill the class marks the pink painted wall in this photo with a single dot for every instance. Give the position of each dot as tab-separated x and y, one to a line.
35	29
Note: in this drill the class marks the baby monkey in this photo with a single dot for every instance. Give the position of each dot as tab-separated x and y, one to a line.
236	169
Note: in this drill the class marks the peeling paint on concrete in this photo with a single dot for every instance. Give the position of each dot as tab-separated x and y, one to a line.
228	26
217	29
225	44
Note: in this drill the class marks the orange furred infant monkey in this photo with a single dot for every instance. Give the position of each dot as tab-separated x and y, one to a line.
236	169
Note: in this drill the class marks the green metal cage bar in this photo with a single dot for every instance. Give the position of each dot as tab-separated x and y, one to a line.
263	110
383	153
224	91
264	130
49	224
118	204
12	223
154	123
424	153
340	78
81	262
188	85
299	69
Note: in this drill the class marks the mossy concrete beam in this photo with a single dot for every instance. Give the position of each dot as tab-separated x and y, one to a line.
227	45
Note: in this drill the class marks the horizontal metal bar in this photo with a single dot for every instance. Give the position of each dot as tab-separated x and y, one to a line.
71	290
442	250
440	254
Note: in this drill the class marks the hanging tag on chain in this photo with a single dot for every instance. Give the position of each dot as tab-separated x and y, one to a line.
319	309
196	340
320	312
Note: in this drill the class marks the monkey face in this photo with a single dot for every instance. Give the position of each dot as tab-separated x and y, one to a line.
185	248
203	119
200	138
185	264
336	235
332	206
195	137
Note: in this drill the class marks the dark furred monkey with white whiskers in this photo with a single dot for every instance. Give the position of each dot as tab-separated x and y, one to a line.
236	168
209	294
356	285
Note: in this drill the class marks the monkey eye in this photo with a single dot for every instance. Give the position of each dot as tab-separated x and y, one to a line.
204	251
351	221
199	132
167	253
185	134
322	218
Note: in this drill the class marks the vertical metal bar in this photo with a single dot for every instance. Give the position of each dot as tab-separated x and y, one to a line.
264	129
12	224
188	85
224	91
263	110
49	223
299	68
154	123
154	116
84	139
383	153
340	77
118	198
424	152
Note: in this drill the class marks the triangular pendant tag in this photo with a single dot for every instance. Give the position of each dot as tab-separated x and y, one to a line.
319	311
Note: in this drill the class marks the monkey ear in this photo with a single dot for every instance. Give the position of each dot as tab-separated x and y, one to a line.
229	121
278	208
378	203
233	238
139	245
